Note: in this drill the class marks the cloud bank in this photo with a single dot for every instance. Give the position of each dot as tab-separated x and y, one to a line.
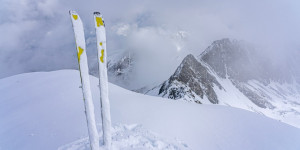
37	35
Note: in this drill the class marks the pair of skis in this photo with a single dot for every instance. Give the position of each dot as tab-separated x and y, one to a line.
85	81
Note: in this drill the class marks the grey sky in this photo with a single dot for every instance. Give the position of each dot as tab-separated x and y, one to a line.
37	35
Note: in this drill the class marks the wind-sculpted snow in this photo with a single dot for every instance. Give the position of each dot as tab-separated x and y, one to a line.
44	110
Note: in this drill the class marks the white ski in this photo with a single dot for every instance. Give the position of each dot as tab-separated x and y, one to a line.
103	82
85	81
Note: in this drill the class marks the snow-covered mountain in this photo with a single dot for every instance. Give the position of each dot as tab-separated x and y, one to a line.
191	81
230	72
45	110
121	68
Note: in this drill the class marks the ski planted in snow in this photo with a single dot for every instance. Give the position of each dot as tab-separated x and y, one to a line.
85	81
103	82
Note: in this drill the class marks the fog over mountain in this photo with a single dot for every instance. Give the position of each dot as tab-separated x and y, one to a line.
37	35
233	73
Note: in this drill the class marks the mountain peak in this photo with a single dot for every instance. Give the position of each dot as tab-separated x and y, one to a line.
234	59
191	80
189	58
240	61
222	46
224	41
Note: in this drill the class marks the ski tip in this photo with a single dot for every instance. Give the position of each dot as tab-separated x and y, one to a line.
72	12
74	15
98	19
97	13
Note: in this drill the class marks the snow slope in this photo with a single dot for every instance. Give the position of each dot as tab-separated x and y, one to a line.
44	110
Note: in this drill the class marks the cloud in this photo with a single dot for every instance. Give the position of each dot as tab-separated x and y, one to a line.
37	35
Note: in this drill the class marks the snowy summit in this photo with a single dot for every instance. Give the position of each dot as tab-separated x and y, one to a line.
45	111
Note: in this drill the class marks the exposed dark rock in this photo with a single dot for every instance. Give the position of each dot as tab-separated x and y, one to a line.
193	75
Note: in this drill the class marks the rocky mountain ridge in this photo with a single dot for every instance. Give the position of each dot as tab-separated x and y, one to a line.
193	76
229	72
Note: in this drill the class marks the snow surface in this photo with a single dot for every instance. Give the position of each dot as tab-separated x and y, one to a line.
131	137
44	110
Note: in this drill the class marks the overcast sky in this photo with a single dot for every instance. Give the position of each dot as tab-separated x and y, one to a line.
36	35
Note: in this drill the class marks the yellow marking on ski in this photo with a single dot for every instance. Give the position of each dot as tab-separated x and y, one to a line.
100	43
99	21
75	17
102	55
80	51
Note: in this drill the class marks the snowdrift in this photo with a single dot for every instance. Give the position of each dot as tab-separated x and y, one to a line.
44	110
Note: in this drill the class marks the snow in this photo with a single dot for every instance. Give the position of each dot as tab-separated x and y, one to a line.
131	137
44	110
